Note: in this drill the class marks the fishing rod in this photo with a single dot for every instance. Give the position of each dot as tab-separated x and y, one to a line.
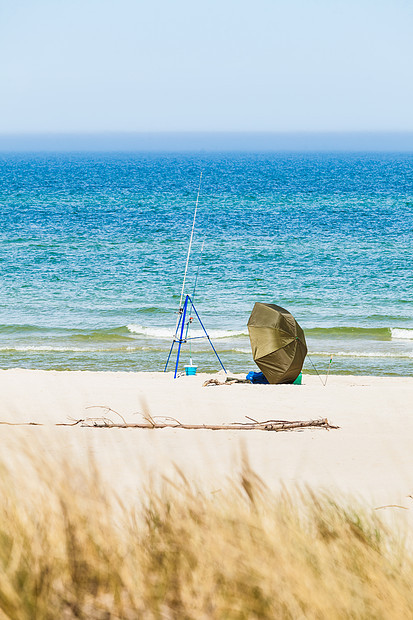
181	334
190	243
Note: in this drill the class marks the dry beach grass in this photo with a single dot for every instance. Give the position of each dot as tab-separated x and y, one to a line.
97	537
70	549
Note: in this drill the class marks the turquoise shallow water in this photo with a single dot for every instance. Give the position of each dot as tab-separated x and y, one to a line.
93	249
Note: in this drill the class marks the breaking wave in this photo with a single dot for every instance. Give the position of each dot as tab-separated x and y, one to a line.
401	333
167	333
77	338
405	355
375	333
63	349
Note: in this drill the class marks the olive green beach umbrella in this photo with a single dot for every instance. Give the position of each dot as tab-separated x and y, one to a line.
277	342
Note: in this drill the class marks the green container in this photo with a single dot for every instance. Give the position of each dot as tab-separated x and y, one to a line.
299	379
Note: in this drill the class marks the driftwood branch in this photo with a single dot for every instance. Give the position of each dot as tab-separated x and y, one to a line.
158	422
269	425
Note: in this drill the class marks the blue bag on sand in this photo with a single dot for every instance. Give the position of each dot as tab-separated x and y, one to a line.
257	377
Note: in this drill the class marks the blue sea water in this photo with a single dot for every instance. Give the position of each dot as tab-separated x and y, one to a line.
93	250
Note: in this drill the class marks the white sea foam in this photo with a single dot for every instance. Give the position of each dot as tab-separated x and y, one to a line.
406	355
42	348
151	332
55	349
399	333
163	333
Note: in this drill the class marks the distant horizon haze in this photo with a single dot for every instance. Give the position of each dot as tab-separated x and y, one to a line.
207	141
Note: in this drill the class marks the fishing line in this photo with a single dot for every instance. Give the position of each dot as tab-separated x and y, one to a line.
199	266
318	374
313	365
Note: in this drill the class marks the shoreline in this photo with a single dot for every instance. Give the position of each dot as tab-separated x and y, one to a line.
369	456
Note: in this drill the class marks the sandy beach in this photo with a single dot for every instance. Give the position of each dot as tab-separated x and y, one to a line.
369	456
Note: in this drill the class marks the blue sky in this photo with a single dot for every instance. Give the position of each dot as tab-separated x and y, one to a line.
180	65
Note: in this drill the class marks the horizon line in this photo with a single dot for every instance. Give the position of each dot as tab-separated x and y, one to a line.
213	141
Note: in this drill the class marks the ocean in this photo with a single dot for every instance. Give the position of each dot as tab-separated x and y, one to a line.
93	250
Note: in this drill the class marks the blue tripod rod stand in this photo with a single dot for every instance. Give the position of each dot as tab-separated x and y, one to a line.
180	338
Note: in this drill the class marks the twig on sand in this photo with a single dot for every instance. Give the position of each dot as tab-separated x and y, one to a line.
391	506
108	409
22	423
228	381
74	423
268	425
